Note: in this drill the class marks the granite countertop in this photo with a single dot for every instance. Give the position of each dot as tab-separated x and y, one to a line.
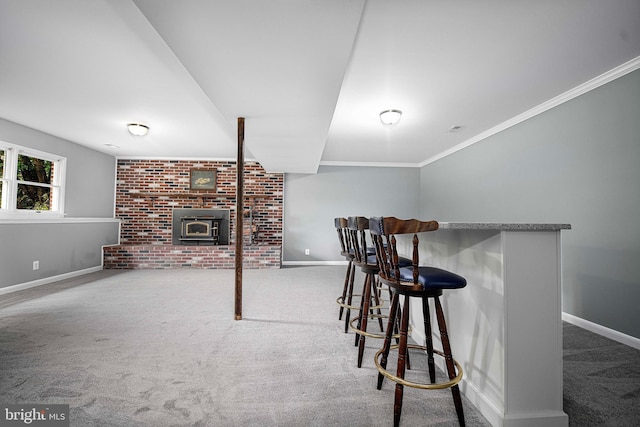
501	226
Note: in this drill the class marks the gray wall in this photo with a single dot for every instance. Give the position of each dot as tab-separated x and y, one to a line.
61	247
578	163
311	202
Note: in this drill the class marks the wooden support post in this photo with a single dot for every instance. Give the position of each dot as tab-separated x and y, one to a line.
239	217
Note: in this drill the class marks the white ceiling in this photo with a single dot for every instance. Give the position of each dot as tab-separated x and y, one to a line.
309	76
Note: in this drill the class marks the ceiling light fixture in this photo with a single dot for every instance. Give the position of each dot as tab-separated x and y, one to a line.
138	129
390	117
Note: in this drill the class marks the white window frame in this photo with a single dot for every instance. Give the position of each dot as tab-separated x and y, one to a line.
10	183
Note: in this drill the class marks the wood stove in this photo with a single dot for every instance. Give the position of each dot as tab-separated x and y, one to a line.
200	228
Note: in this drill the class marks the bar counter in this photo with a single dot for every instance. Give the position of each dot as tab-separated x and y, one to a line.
505	326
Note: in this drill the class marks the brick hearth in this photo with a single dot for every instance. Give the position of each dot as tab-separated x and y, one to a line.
171	256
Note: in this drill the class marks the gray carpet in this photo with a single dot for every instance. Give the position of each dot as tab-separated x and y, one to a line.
601	380
161	348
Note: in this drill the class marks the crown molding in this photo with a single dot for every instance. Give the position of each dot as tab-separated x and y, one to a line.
371	164
588	86
187	159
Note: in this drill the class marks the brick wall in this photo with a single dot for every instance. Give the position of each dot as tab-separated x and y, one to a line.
147	222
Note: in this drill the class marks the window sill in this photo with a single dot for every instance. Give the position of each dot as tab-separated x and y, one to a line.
51	220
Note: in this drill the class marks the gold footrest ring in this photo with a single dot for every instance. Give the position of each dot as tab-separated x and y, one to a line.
341	303
381	335
435	386
355	329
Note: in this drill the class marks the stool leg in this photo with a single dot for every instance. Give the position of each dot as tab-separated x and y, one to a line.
402	355
428	339
396	325
364	315
393	312
446	349
374	286
362	308
397	331
345	287
349	298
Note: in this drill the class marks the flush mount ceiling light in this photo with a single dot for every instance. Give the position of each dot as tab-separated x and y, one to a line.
390	117
138	129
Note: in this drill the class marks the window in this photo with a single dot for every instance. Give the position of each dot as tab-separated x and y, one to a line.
31	181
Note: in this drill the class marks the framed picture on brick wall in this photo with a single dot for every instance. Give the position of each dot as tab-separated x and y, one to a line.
202	180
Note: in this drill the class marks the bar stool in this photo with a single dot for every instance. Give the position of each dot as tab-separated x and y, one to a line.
413	282
364	257
346	250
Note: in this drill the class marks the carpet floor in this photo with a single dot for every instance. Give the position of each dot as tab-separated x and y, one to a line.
161	348
601	380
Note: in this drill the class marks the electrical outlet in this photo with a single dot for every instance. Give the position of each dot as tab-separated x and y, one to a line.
307	252
36	265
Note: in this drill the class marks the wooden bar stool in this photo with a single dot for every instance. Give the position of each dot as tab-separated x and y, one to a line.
413	282
346	250
364	257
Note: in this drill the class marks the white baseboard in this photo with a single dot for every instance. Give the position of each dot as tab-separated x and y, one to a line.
302	263
46	280
497	417
602	330
490	410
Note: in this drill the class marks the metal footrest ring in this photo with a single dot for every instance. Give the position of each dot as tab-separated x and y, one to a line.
435	386
380	335
341	303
